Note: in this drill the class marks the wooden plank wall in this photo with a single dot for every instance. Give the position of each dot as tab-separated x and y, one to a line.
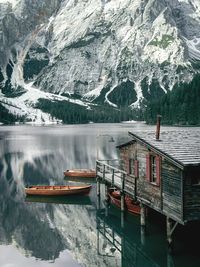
127	153
166	198
191	195
146	190
171	179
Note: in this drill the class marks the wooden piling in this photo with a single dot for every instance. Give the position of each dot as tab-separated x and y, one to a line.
169	231
142	215
122	202
107	199
113	177
107	193
122	219
98	202
142	235
170	262
98	187
122	208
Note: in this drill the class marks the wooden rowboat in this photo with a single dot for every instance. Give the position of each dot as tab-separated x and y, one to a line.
130	204
82	173
58	190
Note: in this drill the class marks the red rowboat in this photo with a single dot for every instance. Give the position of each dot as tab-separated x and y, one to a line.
130	204
83	173
58	190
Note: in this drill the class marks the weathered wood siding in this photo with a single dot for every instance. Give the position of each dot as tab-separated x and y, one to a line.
146	191
191	195
171	183
166	198
127	153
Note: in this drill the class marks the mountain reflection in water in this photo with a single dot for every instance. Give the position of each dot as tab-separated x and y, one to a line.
39	155
70	231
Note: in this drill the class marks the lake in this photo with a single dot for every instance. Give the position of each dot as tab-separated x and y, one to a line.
75	231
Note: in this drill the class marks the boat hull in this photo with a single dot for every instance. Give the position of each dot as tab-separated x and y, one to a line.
57	190
80	173
130	205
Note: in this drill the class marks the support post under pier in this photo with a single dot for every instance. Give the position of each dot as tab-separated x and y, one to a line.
142	222
122	202
107	193
98	187
122	208
142	235
169	234
107	199
142	215
98	193
170	229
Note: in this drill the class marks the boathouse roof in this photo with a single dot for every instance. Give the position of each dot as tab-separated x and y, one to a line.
182	146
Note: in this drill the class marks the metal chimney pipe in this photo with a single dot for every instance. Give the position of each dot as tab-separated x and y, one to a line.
158	127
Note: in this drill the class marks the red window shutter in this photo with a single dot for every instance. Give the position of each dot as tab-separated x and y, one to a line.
148	167
136	168
158	169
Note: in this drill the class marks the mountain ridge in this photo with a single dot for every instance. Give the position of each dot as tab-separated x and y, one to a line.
82	47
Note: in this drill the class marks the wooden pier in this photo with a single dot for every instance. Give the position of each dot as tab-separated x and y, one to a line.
161	174
114	177
109	173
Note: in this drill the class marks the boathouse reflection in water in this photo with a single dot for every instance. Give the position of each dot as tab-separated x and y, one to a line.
132	254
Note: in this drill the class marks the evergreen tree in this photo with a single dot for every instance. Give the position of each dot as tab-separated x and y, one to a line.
181	106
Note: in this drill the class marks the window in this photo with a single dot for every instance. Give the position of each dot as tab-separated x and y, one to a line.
153	176
153	168
134	167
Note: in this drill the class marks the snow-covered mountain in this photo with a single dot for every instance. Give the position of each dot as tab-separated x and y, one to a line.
93	48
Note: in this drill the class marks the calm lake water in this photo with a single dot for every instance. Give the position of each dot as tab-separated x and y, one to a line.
73	231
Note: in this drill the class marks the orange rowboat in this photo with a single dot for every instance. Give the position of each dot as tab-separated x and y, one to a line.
82	173
130	204
57	190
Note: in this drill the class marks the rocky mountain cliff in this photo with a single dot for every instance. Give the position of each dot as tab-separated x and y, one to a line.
107	51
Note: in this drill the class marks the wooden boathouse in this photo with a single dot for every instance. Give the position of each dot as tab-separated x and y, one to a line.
161	173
